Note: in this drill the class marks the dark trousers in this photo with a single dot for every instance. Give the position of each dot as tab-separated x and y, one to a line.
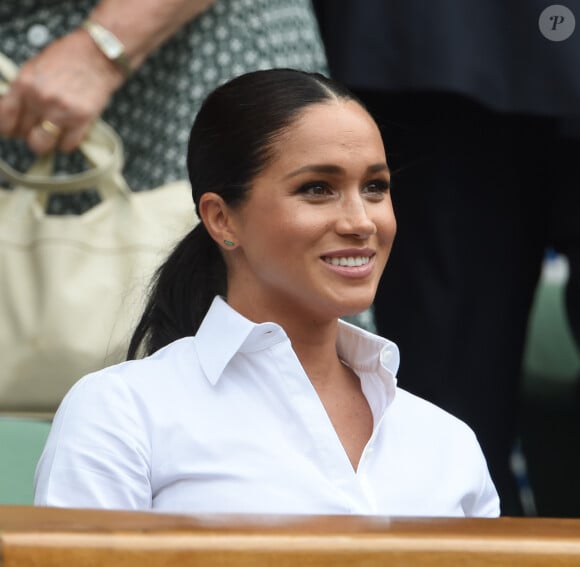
479	196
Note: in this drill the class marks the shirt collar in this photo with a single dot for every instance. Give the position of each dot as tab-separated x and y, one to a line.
224	332
372	358
364	351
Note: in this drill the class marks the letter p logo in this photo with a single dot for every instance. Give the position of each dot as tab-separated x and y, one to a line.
557	23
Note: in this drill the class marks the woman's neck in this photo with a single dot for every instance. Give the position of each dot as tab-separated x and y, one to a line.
313	337
315	347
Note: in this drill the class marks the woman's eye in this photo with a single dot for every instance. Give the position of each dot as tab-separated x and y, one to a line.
317	189
378	187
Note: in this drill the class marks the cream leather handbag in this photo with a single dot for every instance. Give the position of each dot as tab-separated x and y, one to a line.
72	286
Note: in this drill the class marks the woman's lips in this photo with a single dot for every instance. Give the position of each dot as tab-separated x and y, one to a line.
350	264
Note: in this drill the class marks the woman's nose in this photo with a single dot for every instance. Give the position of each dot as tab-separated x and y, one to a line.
354	219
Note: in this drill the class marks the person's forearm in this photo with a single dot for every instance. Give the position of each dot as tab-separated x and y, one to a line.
143	25
61	91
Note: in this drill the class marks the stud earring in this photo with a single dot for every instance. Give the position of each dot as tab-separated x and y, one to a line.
229	243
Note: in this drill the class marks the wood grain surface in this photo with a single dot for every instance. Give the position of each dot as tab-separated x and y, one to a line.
47	537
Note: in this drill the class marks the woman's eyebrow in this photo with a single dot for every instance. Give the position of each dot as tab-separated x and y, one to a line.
333	169
315	168
378	167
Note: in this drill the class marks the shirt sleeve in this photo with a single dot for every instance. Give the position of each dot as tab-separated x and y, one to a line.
485	502
98	453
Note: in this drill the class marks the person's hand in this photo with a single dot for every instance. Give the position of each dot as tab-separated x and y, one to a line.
58	94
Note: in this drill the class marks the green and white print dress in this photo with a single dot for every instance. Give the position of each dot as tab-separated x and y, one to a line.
154	110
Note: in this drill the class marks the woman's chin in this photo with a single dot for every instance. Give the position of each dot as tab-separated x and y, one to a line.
355	307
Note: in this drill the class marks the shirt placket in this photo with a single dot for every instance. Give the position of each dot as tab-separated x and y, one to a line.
351	494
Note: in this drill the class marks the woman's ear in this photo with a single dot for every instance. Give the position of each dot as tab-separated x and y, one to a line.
218	220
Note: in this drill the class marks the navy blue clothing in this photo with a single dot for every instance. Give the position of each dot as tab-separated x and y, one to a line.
488	50
480	115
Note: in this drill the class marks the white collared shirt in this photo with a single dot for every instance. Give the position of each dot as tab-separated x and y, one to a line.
228	422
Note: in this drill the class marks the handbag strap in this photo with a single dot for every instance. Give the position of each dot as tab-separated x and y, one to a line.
102	147
8	69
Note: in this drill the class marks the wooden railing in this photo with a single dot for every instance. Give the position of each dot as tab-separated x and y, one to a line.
48	537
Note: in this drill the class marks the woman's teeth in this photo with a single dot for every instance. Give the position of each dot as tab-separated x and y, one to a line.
349	261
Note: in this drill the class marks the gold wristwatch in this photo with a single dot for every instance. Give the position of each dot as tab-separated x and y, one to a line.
109	44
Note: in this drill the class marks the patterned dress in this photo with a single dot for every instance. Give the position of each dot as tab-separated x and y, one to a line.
154	110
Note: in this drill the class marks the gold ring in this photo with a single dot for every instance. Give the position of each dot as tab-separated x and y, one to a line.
51	128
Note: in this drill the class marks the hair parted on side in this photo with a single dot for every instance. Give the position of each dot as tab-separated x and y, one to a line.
231	141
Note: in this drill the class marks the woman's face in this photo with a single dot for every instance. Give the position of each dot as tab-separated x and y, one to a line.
316	230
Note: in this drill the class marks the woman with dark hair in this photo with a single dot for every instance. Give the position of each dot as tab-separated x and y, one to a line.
253	396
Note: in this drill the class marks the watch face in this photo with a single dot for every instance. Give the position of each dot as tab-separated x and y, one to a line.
111	47
109	44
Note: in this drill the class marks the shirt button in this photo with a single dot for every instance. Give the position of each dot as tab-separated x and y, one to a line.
386	355
38	35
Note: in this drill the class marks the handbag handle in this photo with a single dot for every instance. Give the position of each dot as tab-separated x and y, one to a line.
102	147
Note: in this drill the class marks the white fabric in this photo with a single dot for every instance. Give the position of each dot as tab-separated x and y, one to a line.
228	422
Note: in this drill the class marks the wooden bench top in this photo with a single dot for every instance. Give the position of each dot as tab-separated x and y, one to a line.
47	537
